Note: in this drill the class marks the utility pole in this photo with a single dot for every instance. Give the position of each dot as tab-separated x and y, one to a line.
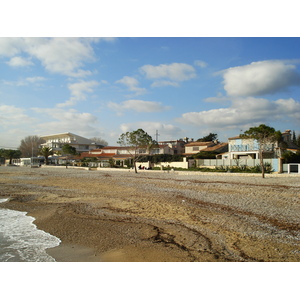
156	135
31	153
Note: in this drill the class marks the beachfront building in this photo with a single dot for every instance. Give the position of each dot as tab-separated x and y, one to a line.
249	149
218	149
195	147
57	141
120	154
174	147
245	148
287	139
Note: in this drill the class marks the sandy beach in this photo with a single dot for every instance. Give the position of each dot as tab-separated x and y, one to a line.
154	216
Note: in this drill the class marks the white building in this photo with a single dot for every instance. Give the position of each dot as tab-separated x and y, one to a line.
57	141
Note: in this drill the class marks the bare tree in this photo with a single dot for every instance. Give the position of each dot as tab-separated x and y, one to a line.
137	141
30	146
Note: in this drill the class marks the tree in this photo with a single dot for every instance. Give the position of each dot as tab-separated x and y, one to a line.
205	155
46	152
99	141
208	138
264	135
290	157
138	142
294	139
298	140
30	146
68	149
10	154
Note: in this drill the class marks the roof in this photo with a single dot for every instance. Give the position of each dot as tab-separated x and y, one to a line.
110	147
216	148
78	139
234	138
89	155
222	147
199	144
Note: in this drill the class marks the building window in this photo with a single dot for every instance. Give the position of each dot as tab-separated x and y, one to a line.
195	148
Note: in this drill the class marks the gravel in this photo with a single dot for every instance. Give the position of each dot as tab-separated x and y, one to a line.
240	218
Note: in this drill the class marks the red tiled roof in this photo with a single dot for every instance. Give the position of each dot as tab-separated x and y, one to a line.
234	138
216	147
100	155
110	147
199	144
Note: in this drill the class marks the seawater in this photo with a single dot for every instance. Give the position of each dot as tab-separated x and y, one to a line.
20	240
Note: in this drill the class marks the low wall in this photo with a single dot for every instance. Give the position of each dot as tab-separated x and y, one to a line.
195	173
185	164
64	167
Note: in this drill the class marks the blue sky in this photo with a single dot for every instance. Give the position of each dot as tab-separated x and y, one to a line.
182	87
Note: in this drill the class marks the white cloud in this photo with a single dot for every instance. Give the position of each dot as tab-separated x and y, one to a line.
11	116
174	71
200	63
138	106
19	61
58	55
61	55
23	82
78	92
260	78
166	131
70	120
132	84
11	46
164	83
244	113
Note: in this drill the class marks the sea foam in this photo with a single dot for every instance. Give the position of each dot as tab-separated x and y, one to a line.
20	240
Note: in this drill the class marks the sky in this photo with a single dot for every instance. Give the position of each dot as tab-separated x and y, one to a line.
176	86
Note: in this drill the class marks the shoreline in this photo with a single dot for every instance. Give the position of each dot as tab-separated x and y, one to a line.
73	253
121	216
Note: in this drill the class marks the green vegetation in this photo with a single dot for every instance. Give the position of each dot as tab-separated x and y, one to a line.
208	138
46	152
246	169
68	149
224	169
85	161
10	154
157	158
290	157
205	155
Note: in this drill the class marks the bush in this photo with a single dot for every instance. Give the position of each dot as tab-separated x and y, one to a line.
246	169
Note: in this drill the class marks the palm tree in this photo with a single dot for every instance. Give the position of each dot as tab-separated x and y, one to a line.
46	152
10	154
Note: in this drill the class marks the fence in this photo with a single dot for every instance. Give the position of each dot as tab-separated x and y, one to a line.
274	162
292	168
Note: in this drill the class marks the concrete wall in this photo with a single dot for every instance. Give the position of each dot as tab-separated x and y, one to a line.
185	164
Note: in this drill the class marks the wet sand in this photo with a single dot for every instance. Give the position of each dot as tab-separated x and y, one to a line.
105	216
